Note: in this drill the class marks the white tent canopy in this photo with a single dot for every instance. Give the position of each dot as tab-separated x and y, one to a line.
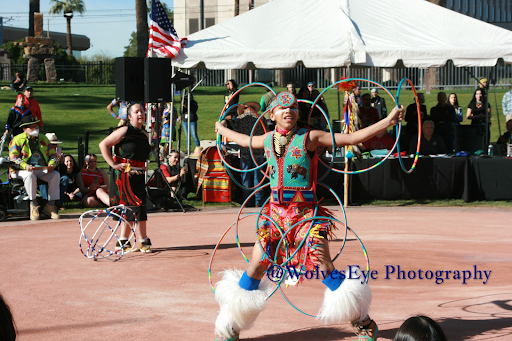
335	33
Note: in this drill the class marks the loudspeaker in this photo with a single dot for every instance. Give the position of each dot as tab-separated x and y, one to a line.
129	76
469	138
157	80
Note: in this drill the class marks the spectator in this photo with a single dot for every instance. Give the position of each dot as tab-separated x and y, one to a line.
54	141
431	144
167	121
193	118
7	325
476	111
244	124
357	95
266	99
290	87
380	141
443	116
368	115
505	138
30	150
232	87
379	103
33	105
16	115
454	102
123	105
93	183
420	328
483	85
506	103
69	190
411	117
172	171
304	108
317	114
19	82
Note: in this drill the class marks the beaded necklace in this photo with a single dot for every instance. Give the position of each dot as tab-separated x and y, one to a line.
281	138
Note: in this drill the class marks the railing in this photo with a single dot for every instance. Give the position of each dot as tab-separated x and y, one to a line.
445	77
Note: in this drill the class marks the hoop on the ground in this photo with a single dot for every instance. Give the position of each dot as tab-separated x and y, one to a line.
99	230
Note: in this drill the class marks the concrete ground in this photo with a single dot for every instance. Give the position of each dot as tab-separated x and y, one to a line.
56	293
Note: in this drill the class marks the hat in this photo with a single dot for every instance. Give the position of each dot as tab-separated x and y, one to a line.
52	137
283	99
28	119
28	88
375	90
196	154
311	83
254	105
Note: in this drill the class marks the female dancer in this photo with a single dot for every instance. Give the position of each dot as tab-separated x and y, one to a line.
292	161
127	185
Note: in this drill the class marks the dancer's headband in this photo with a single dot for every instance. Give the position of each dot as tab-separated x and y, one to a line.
284	99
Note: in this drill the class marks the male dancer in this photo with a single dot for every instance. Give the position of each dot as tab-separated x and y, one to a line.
292	161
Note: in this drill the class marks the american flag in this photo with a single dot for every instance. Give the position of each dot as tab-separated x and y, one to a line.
163	39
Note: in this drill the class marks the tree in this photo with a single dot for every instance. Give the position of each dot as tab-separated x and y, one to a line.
68	7
131	49
141	13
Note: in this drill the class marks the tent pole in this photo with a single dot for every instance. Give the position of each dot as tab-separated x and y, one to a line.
345	176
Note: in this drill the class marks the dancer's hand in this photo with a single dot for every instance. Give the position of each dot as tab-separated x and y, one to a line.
397	114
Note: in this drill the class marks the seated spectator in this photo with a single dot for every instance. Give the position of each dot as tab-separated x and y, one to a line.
380	141
54	142
34	158
93	183
16	115
411	117
69	190
420	328
7	325
172	171
19	82
368	115
431	144
290	87
505	138
357	95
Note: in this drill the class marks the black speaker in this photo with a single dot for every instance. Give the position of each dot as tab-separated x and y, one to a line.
157	80
469	138
129	75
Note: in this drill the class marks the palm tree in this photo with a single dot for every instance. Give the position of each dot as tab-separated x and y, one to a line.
141	13
68	7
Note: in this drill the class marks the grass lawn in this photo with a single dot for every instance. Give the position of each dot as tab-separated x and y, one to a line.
70	109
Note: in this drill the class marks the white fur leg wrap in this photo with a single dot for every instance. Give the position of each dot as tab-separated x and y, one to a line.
350	302
239	308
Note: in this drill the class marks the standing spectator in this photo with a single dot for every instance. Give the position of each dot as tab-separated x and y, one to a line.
244	124
379	103
122	111
357	95
193	118
476	110
430	142
69	190
266	99
507	105
483	85
411	117
290	87
368	115
33	105
454	102
443	116
16	114
317	114
19	82
232	87
30	150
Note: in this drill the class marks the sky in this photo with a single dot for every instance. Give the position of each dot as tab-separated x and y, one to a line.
107	23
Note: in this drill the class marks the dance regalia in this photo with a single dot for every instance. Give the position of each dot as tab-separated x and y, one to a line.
129	188
293	178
